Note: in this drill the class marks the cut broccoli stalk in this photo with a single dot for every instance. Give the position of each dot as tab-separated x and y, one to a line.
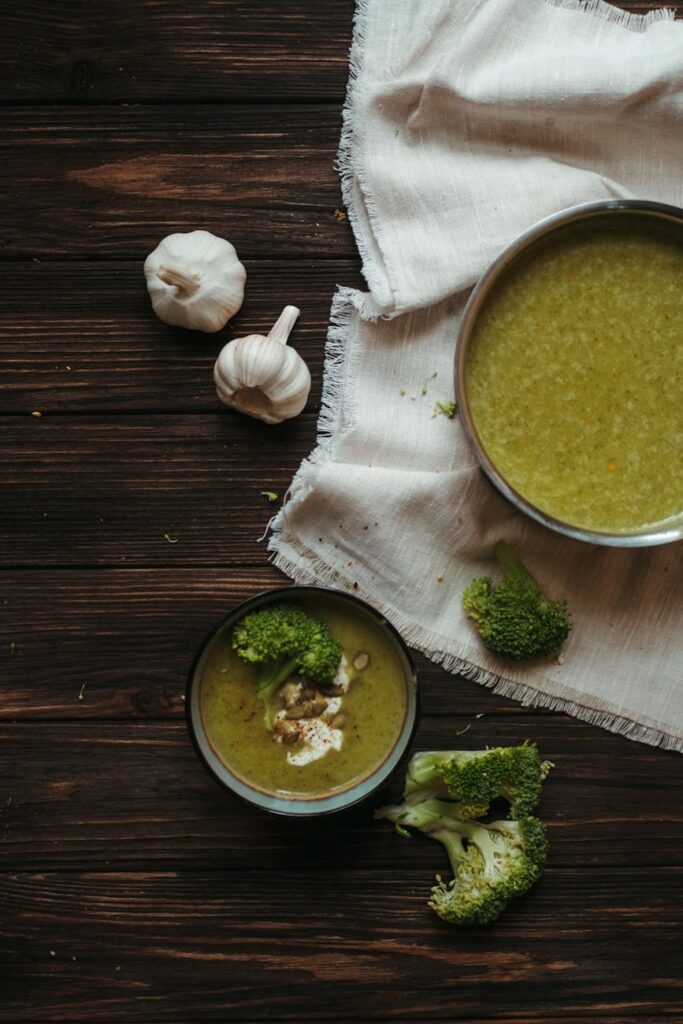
513	567
272	678
284	639
515	620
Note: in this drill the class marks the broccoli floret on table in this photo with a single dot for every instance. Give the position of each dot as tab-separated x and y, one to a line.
284	638
514	618
474	778
492	863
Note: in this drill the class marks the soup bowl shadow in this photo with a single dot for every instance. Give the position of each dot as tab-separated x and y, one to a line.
300	805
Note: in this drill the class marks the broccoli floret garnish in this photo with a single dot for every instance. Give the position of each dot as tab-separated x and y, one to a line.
285	639
514	618
475	778
492	864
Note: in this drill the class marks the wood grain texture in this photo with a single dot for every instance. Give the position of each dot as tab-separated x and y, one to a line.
93	795
211	946
166	50
293	50
107	490
82	336
111	182
129	636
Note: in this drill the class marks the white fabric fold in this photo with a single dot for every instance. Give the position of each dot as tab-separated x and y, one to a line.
465	123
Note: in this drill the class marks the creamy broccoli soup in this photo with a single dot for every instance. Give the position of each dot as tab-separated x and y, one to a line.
574	375
311	737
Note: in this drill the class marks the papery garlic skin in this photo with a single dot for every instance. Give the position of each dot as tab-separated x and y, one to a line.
195	280
260	376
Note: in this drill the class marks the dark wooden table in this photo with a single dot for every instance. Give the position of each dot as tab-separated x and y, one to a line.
133	889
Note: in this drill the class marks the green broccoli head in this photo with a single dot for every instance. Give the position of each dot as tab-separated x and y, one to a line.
285	638
523	777
475	780
492	864
472	777
501	862
320	658
477	777
514	618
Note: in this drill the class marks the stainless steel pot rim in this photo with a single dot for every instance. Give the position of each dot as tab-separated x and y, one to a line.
662	534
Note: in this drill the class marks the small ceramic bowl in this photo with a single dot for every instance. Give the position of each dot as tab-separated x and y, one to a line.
298	805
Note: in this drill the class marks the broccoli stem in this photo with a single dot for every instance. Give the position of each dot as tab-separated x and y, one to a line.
268	714
435	791
423	770
453	843
513	567
276	674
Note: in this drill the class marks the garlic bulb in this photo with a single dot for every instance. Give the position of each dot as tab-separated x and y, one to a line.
195	280
261	376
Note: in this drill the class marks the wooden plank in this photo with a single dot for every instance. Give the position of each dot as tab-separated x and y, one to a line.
165	50
59	630
110	182
50	50
107	490
98	347
334	944
92	795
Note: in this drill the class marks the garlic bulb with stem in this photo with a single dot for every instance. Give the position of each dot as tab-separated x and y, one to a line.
261	376
195	280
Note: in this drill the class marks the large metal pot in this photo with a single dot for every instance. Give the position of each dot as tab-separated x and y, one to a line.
578	214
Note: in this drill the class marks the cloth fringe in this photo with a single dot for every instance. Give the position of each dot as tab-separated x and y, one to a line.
337	409
601	9
353	179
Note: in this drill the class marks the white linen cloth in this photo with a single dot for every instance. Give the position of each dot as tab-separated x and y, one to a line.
467	121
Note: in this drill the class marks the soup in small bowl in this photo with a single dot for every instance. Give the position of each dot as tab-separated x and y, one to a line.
569	372
302	701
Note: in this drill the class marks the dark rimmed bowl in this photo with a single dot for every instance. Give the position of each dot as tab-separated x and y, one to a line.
295	805
588	212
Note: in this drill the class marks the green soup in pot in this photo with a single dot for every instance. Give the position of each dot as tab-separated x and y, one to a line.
374	710
575	370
